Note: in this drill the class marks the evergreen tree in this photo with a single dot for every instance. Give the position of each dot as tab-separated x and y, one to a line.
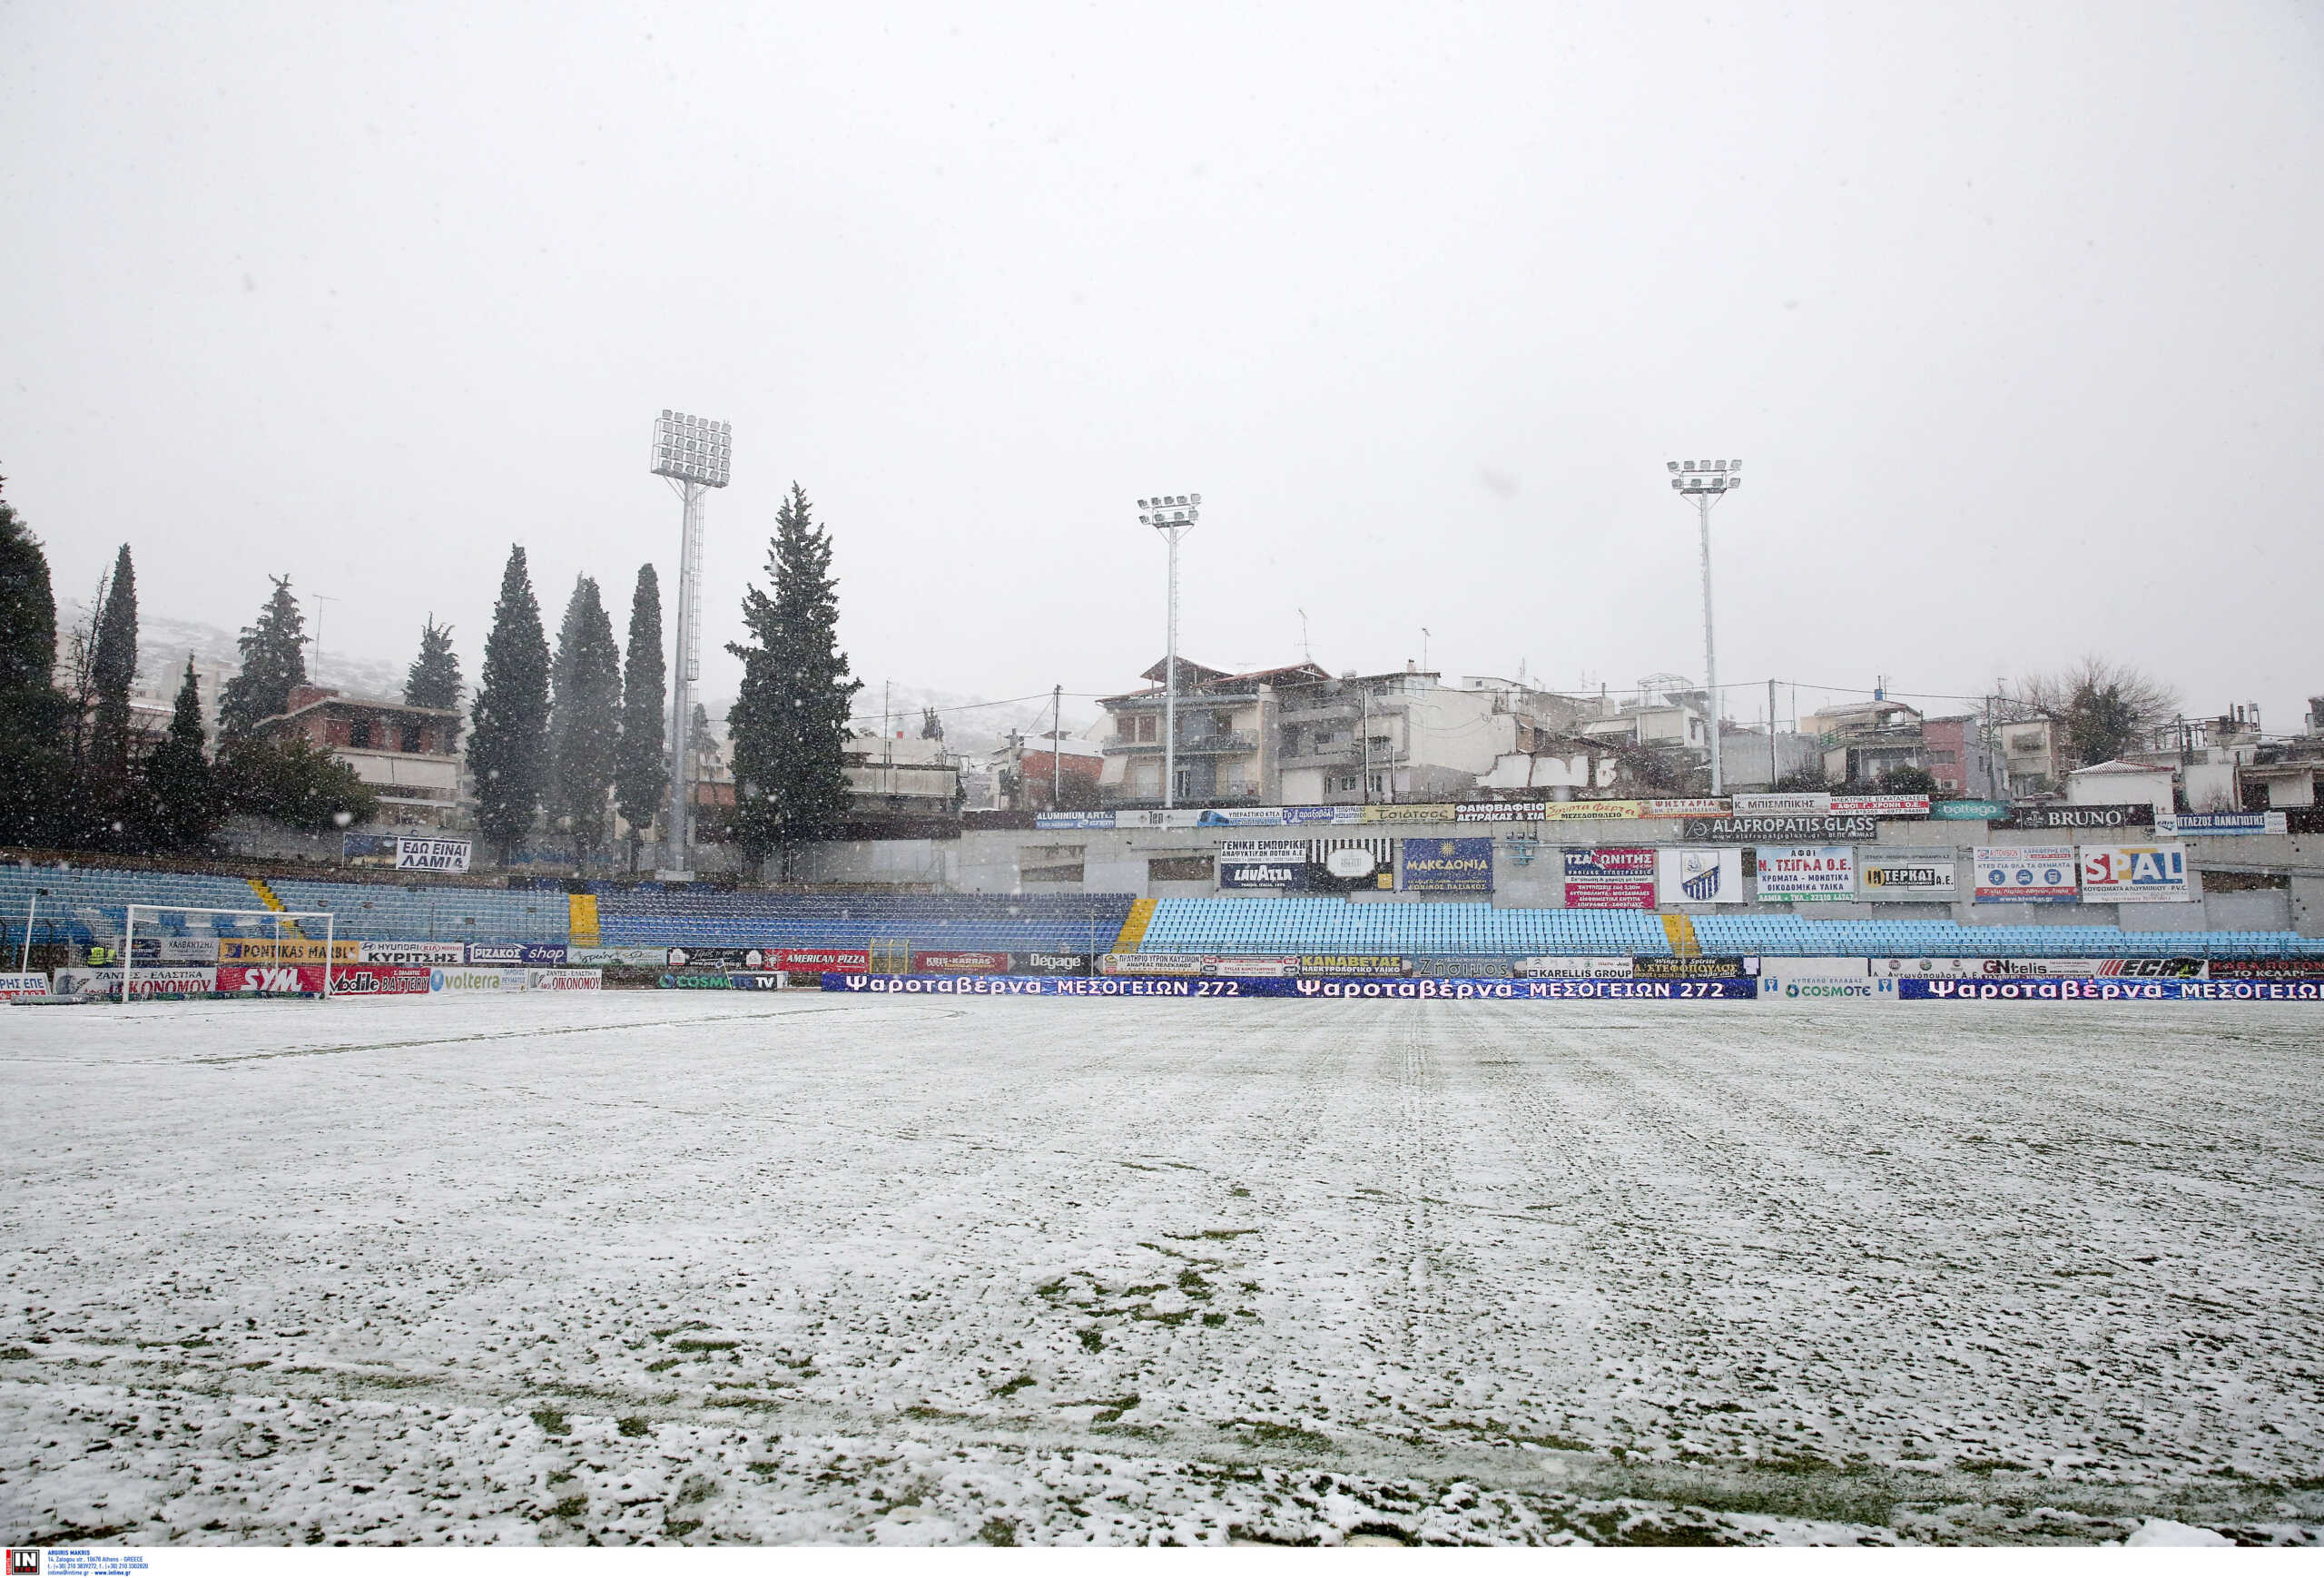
434	677
274	658
292	781
182	801
32	712
584	720
508	754
113	672
641	775
790	723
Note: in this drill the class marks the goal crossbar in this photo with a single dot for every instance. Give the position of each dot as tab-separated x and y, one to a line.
129	932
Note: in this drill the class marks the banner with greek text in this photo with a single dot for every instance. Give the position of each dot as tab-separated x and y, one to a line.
1610	879
1793	872
2035	874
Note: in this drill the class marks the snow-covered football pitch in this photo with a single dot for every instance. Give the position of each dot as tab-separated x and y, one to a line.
671	1266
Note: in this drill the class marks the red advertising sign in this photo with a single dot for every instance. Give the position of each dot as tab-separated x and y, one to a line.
276	978
1610	879
379	980
843	961
960	963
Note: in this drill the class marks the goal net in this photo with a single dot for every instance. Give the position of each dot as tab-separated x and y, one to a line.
196	949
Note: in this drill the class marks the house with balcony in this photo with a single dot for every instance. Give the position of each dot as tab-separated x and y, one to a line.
407	755
1860	741
1225	750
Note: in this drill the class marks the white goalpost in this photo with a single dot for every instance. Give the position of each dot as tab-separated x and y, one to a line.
276	917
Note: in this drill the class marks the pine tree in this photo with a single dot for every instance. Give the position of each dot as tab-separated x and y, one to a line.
790	723
274	658
508	754
113	672
32	712
585	719
183	800
434	677
641	775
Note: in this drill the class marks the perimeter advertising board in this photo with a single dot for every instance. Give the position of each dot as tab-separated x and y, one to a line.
254	978
1280	849
432	854
1794	873
1245	872
288	950
2035	874
1610	879
1576	967
1752	829
649	958
1970	811
381	979
2222	825
2140	814
565	979
471	978
1899	877
1699	876
2134	873
1052	964
1354	964
30	983
1445	865
427	953
934	963
515	955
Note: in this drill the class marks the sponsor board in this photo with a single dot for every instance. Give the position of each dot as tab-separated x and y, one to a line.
1791	872
1354	964
428	953
2221	824
2035	874
819	958
1156	820
649	958
29	983
1350	864
700	981
1499	811
1610	879
1970	810
1050	964
1445	865
473	977
432	854
2134	873
1150	964
1702	967
1462	966
164	951
1592	810
381	979
289	951
756	980
2310	969
703	959
960	963
1679	810
367	848
1282	849
280	980
1243	873
1907	876
1699	876
1801	804
1880	805
514	954
1393	814
1073	821
1440	989
1938	990
1242	817
565	980
2140	814
157	980
1752	829
1576	967
1326	815
1780	983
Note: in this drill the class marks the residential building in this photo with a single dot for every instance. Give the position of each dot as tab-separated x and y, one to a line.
1226	750
1956	755
1049	771
2032	755
907	778
407	755
1862	740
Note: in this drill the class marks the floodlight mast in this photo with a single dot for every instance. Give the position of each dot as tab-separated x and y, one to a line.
693	454
1173	515
1705	483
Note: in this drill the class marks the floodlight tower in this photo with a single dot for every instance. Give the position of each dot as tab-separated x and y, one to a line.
1706	482
1173	515
691	453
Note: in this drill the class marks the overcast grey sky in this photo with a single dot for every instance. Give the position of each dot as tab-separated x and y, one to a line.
2012	310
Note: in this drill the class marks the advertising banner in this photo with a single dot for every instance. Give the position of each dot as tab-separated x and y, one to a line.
1752	829
1783	980
1347	965
1445	865
1329	816
1238	872
31	983
2221	825
704	980
1802	802
1880	805
381	979
1052	964
756	980
1592	810
1699	876
2308	969
818	959
1933	989
367	848
1499	811
1243	817
470	977
1286	849
724	958
1432	988
1577	967
516	954
432	854
1150	964
430	953
2078	816
1703	967
2134	873
1678	810
565	979
1610	879
2040	874
258	978
1793	872
649	958
290	950
1073	821
1153	820
960	963
1970	811
162	980
1905	875
1408	814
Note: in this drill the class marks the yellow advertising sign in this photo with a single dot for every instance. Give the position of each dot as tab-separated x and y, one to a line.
290	950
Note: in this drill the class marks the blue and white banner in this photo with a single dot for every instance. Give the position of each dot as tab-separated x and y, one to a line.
1445	865
1427	989
535	955
2220	823
2135	873
1073	821
1699	876
1917	989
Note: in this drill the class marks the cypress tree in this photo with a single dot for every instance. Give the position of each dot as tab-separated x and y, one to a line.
584	720
184	801
790	723
434	677
114	670
508	754
32	712
274	658
641	772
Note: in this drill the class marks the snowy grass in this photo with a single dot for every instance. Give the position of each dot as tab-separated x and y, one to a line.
669	1267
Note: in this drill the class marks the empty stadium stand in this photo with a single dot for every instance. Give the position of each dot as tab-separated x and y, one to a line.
1047	922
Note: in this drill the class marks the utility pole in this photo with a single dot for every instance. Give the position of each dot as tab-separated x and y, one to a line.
1774	760
1057	733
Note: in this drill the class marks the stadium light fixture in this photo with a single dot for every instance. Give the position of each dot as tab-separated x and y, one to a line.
1706	482
1173	515
693	454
